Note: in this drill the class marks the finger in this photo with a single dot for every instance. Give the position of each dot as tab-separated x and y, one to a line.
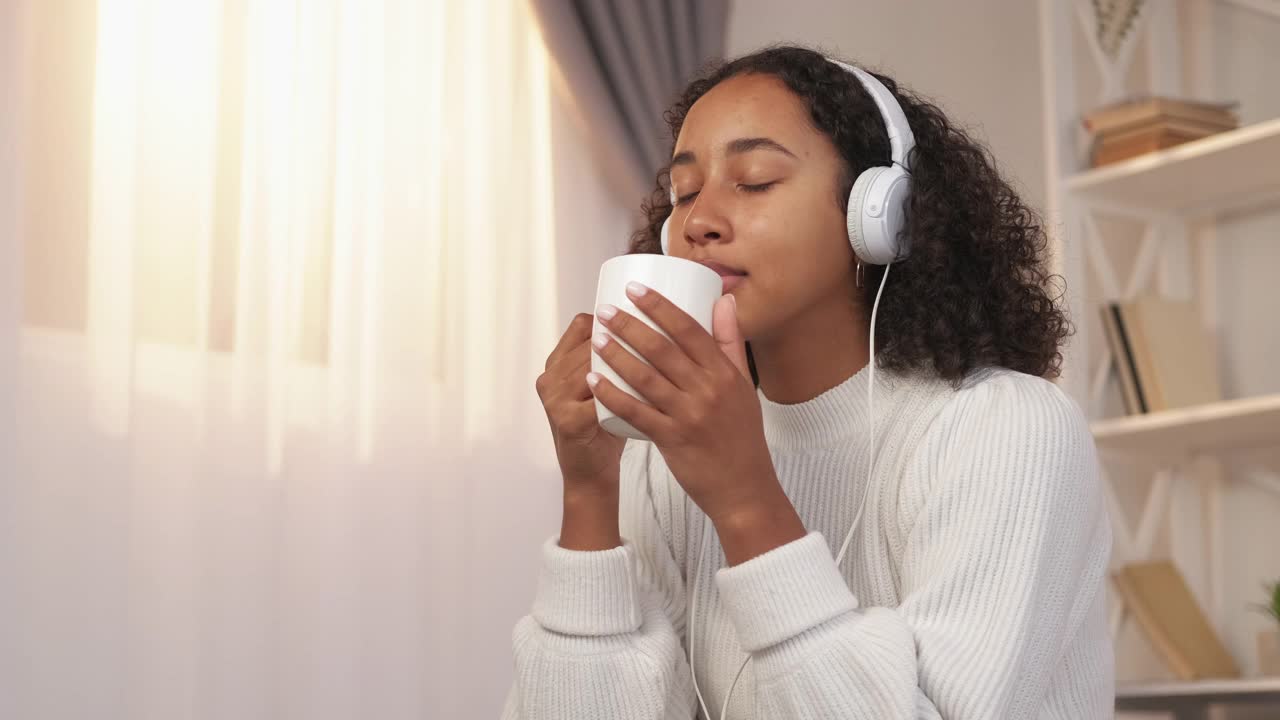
641	416
580	417
642	377
687	334
660	352
728	335
579	330
570	359
578	380
565	380
570	375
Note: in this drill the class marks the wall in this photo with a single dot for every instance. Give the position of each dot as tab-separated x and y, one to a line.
978	59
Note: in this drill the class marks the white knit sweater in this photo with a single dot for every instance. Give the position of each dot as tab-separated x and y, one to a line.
972	589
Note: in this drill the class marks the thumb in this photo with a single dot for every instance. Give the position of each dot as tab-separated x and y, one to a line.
724	327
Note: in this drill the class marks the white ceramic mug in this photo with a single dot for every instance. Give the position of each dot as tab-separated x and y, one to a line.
692	287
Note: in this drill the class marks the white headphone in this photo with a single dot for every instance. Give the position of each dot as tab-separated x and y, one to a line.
877	205
877	202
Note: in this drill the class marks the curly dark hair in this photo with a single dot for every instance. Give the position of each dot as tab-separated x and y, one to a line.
974	290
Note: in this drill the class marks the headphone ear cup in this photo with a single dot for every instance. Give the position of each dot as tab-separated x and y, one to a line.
664	238
877	215
853	217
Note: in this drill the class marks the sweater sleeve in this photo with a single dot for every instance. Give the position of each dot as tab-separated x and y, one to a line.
604	637
1002	576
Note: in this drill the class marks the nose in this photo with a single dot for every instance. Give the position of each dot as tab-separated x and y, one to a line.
703	224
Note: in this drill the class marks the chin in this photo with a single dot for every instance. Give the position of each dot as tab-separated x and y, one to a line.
745	324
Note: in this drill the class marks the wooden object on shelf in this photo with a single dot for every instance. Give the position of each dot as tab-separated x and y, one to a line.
1108	151
1122	352
1269	652
1164	357
1159	598
1173	355
1136	112
1132	128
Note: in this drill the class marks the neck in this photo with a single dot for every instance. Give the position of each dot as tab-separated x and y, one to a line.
813	353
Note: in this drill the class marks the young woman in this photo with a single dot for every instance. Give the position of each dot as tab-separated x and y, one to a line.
863	498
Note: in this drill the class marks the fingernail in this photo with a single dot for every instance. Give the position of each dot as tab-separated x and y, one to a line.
593	379
600	340
606	312
734	302
636	289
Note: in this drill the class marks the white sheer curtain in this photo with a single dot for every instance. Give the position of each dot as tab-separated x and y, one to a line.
276	279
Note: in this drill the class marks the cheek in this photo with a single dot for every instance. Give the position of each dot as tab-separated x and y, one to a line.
800	254
805	232
811	267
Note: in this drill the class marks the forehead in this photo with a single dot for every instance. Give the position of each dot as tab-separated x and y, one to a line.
751	105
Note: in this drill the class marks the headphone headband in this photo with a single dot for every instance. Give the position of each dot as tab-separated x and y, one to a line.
901	139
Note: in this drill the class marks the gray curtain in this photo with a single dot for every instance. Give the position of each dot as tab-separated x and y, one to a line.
625	61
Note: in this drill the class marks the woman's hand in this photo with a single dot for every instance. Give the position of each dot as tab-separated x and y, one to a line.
588	454
705	415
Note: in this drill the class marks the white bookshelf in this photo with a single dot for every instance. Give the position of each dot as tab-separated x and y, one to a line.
1176	196
1240	424
1229	171
1214	690
1193	699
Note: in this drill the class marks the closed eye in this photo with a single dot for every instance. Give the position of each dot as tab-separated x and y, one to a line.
749	188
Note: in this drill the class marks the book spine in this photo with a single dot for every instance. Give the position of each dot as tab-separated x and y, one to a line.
1125	343
1107	153
1121	364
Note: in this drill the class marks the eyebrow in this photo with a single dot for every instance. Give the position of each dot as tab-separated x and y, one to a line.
741	145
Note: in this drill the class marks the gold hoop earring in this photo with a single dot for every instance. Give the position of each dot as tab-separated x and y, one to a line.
858	276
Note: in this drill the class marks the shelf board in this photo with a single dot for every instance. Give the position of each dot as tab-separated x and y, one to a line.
1227	425
1160	696
1229	171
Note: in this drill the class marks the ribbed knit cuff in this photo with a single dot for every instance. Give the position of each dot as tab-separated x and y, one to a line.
587	592
775	596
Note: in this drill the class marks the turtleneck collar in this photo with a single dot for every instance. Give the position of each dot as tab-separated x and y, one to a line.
837	413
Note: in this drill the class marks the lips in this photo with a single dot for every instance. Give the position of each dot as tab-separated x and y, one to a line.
723	270
730	277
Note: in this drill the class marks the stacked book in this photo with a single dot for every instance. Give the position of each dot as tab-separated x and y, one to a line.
1136	127
1163	354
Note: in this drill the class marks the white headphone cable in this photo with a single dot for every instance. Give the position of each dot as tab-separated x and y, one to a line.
871	411
693	617
871	462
